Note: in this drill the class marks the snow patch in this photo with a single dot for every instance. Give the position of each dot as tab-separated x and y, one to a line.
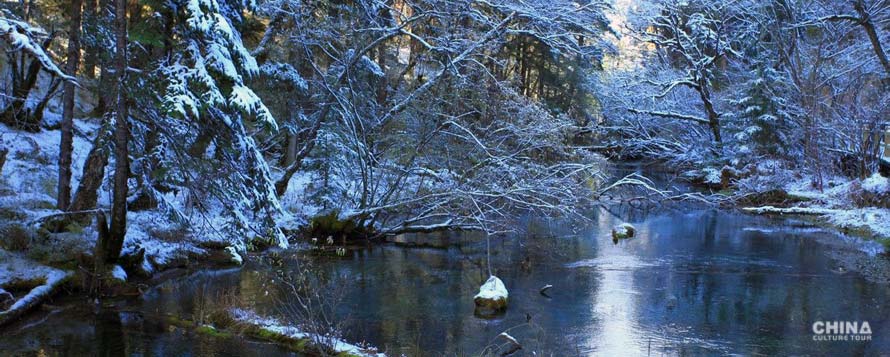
233	254
790	210
493	289
118	273
17	268
712	176
271	324
875	219
835	192
876	184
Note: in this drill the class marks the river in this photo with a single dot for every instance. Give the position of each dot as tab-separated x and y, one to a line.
694	280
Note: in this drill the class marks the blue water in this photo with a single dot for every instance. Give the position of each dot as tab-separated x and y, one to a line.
693	281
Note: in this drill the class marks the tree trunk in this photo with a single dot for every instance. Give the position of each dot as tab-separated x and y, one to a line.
66	145
865	21
291	150
87	196
27	6
105	75
36	114
308	144
713	117
523	67
383	85
3	153
109	247
91	18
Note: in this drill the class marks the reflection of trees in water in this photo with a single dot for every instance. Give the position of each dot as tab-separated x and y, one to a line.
738	290
110	339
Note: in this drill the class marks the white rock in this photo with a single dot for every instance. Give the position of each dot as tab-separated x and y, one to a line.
493	294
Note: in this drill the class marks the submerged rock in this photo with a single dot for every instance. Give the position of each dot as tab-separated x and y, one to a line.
671	301
623	231
492	296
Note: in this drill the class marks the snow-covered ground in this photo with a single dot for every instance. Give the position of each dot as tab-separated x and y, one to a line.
28	187
876	219
297	200
30	175
839	200
273	325
16	269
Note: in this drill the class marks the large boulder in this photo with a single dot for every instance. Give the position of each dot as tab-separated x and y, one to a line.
492	296
623	231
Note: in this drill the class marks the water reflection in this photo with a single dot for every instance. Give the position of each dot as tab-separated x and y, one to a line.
691	282
614	308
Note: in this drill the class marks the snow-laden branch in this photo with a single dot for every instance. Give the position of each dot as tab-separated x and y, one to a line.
490	35
20	36
670	115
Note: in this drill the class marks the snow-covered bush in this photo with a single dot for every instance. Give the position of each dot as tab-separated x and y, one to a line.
871	192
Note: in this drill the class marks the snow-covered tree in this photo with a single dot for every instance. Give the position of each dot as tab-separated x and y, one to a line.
697	38
203	139
799	81
26	54
416	120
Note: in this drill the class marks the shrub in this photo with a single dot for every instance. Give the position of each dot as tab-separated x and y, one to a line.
15	237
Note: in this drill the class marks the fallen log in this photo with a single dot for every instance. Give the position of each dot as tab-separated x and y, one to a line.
35	297
789	210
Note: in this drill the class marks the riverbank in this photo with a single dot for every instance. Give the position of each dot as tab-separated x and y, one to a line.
156	247
858	207
43	260
685	267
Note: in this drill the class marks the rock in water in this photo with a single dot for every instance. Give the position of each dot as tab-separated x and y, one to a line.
671	301
492	296
623	231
